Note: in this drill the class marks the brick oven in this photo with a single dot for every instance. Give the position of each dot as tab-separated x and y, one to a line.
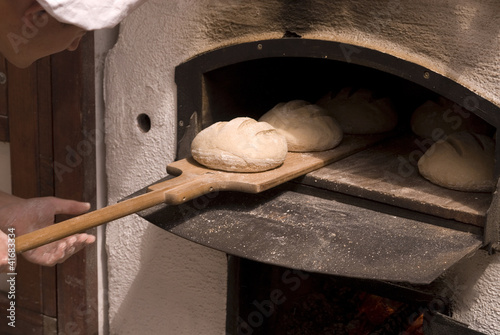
364	245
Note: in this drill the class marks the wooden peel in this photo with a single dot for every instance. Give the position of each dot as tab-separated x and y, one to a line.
193	180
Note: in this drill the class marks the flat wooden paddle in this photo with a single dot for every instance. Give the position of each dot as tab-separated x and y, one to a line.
193	180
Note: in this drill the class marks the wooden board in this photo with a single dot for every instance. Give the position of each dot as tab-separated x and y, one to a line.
387	173
203	180
193	180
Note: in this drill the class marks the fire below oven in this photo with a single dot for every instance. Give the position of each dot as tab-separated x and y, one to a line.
364	239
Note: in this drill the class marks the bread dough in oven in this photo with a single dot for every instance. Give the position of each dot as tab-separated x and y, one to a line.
360	112
436	119
463	161
240	145
306	127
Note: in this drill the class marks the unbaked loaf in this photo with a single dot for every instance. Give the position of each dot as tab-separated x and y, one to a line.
436	119
463	161
306	127
359	112
240	145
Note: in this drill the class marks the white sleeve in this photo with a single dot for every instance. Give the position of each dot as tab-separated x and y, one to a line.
90	14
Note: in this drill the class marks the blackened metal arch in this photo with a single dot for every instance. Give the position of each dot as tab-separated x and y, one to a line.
189	75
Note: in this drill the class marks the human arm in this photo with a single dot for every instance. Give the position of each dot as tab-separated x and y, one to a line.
27	215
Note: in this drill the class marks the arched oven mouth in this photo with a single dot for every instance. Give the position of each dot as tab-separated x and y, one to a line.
249	79
381	220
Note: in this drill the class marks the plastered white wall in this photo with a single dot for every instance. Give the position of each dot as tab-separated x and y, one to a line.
158	283
162	284
475	285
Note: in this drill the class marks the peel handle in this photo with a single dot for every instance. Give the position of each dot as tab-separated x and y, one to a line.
173	191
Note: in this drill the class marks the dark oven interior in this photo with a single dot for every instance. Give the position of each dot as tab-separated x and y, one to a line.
276	300
252	88
368	228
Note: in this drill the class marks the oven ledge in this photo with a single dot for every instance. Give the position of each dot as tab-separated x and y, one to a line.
310	229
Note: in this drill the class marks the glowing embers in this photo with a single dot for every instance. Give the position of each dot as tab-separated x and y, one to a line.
284	301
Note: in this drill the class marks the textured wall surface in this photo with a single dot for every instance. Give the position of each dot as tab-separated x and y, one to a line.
474	283
159	283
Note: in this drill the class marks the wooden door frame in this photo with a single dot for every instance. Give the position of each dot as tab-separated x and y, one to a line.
51	126
73	105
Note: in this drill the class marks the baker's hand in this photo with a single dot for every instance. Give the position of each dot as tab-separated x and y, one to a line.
4	258
27	215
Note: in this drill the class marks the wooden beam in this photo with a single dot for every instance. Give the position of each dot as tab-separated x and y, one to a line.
4	110
73	103
23	100
51	107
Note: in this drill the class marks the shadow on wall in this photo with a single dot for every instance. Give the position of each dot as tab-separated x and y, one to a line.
475	27
460	33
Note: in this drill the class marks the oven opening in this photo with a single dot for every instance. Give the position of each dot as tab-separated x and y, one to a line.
282	301
386	172
253	87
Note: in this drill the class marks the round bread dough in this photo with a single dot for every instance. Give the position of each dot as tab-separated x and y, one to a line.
306	127
240	145
463	161
359	112
435	120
